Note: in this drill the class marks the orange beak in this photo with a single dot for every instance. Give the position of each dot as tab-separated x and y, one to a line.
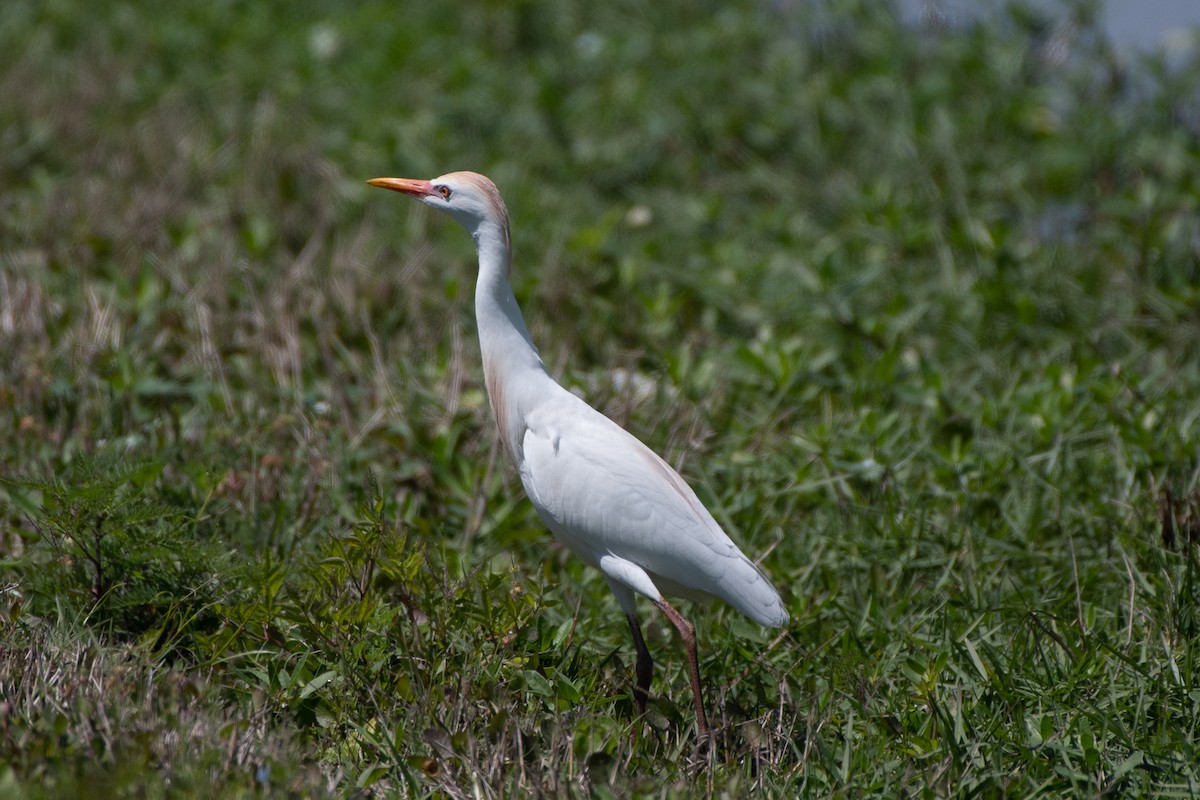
407	186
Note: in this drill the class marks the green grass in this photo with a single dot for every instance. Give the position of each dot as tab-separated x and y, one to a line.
915	310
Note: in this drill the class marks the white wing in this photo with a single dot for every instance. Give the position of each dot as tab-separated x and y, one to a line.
611	499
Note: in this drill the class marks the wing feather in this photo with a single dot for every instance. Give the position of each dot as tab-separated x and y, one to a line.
603	492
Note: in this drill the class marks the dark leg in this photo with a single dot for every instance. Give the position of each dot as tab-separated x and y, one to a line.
688	634
645	664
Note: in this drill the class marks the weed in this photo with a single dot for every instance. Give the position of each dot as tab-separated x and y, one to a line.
912	306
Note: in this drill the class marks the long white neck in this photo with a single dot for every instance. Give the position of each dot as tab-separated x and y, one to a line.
511	365
503	337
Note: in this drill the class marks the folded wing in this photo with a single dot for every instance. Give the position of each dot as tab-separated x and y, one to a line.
603	492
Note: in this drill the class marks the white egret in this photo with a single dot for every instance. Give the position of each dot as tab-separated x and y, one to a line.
604	494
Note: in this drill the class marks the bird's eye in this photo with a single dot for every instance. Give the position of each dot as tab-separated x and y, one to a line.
444	191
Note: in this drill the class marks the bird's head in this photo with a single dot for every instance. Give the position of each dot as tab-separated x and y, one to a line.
469	197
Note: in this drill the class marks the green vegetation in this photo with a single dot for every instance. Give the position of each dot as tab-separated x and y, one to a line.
916	311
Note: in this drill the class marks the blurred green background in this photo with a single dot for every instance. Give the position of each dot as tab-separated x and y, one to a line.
913	302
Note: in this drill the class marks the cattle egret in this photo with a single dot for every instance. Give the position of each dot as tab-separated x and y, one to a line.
604	494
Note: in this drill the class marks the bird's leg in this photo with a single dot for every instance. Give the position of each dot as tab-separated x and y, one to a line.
645	664
688	634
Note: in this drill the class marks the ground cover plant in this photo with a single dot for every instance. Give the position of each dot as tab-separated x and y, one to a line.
914	307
